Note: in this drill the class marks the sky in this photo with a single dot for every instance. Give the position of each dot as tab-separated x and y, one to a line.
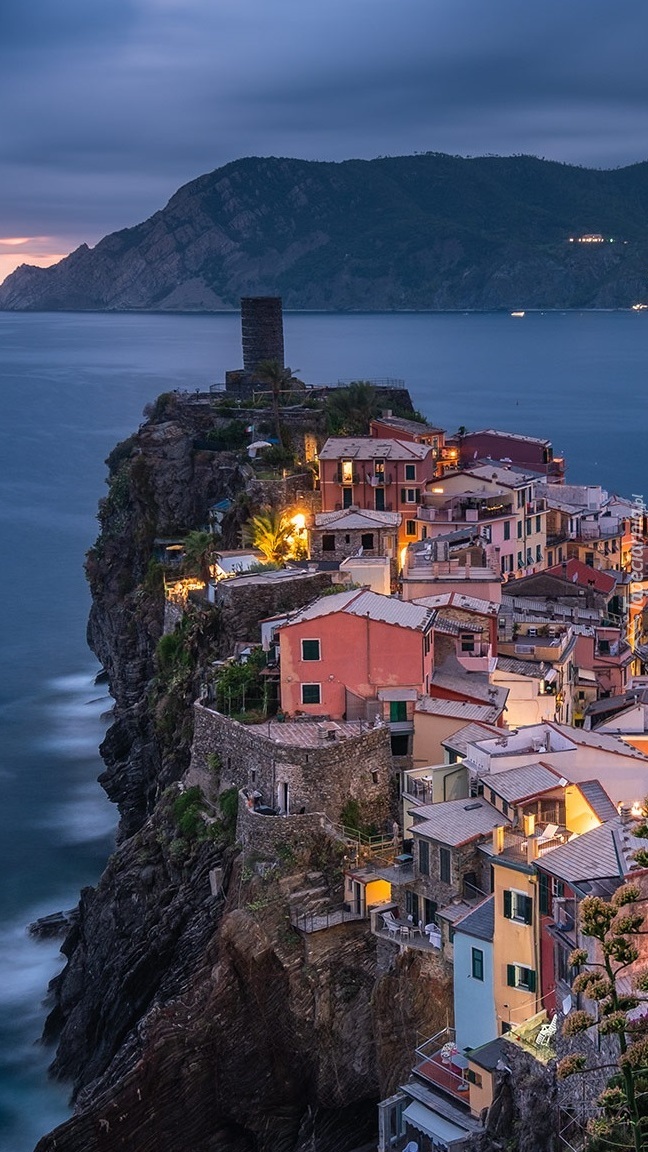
109	106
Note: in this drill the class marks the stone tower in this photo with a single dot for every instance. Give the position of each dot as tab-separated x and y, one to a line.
261	330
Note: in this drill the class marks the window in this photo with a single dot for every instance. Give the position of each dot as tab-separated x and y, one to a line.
429	911
400	742
519	560
544	894
445	861
521	498
529	558
379	499
538	523
410	495
477	964
410	527
410	471
538	553
379	468
347	471
424	857
468	642
310	649
311	693
528	525
397	711
518	906
507	529
473	1077
347	497
367	540
517	976
519	529
550	559
412	905
328	542
589	559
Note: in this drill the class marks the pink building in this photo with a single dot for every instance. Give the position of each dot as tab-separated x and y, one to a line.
383	475
357	655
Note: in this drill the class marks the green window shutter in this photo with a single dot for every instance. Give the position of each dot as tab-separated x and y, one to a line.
508	904
418	495
510	975
531	980
543	894
528	910
403	495
470	1076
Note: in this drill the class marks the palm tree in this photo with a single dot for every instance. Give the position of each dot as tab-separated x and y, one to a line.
270	532
280	380
200	554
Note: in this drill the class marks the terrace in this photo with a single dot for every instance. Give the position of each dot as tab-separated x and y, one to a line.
440	1062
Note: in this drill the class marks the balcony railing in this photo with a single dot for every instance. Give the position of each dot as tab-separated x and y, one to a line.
440	1062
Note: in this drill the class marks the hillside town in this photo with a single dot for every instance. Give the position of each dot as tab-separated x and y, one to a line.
459	700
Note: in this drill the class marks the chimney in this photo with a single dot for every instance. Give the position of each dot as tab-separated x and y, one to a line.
532	849
498	839
625	812
261	330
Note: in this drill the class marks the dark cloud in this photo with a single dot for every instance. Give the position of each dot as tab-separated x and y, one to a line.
109	106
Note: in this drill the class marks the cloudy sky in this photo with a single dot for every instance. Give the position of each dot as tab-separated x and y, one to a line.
110	105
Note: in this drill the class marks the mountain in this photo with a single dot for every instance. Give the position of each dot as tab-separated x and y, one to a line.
409	232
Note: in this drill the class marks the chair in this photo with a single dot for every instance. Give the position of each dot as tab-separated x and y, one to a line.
547	1033
548	834
392	925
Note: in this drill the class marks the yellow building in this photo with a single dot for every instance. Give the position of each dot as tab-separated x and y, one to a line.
515	940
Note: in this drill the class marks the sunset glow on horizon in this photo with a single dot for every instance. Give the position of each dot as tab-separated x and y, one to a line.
36	250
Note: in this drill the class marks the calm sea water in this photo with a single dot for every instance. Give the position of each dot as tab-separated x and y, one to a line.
70	387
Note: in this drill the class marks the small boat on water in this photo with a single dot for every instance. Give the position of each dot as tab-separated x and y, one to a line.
517	313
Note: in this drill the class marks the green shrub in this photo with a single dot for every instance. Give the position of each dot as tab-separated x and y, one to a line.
228	801
188	813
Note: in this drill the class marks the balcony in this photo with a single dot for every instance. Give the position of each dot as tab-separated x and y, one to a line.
439	1062
460	512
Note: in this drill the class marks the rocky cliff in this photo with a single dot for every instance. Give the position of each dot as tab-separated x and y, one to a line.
412	232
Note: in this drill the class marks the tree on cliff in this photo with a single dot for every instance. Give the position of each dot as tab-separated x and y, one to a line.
350	410
271	532
200	554
281	381
616	925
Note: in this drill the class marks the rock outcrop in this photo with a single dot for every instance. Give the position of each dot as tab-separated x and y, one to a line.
410	232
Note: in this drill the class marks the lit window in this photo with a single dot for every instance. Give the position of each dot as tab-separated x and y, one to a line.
311	693
347	471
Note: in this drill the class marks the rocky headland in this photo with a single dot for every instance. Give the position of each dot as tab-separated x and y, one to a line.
191	1014
426	232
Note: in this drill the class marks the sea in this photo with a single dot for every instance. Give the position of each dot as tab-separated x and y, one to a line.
71	386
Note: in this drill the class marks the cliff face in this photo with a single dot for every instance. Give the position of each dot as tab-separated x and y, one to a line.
411	232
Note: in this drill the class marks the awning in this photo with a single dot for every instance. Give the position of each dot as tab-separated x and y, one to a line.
431	1124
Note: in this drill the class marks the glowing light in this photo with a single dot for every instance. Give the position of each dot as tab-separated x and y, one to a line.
299	521
437	490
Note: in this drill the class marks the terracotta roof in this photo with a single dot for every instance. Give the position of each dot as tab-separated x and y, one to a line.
456	822
583	576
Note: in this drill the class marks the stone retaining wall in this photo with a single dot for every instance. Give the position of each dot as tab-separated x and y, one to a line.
244	602
269	834
319	779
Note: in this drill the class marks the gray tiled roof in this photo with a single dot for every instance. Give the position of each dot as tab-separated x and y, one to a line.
480	922
520	783
456	822
598	799
366	448
462	709
603	852
373	605
356	518
460	740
